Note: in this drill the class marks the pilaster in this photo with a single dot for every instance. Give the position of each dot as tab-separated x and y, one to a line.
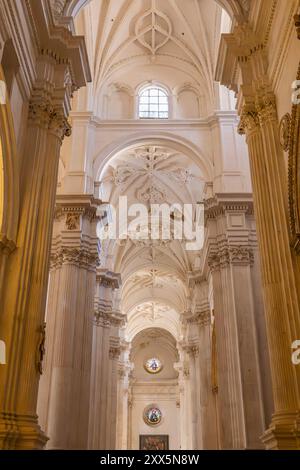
69	316
108	322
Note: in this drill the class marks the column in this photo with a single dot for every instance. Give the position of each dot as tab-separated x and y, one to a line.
105	363
24	292
65	384
230	248
125	369
259	122
193	350
185	401
199	328
279	263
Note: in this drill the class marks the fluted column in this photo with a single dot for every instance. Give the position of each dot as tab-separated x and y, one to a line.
259	122
64	391
232	267
192	349
105	363
23	296
199	326
125	368
186	405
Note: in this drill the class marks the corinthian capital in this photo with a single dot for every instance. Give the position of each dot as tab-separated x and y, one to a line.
249	121
266	108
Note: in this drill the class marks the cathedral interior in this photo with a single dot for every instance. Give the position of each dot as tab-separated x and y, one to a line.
109	108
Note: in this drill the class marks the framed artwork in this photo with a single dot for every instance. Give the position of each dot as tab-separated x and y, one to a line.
154	442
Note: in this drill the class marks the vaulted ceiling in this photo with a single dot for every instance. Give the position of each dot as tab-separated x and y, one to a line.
126	36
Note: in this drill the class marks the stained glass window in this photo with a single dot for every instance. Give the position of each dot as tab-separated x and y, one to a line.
153	365
153	103
152	415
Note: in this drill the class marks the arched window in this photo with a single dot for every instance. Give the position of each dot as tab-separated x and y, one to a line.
153	103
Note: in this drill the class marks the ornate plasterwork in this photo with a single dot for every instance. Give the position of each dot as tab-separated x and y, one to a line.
42	113
79	257
151	311
154	278
149	162
230	255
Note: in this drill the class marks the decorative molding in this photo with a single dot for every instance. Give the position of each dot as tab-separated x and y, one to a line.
41	113
249	121
201	318
79	257
293	175
72	221
230	255
297	24
40	353
217	205
285	132
108	279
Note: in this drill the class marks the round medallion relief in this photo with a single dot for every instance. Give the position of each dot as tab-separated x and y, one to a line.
284	132
152	415
153	365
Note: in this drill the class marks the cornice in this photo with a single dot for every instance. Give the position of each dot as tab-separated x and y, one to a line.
157	124
221	204
108	279
58	41
76	205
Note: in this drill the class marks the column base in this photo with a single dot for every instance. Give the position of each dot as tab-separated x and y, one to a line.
21	432
283	433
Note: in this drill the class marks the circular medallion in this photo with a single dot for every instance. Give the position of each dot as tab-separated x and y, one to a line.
284	132
152	415
153	365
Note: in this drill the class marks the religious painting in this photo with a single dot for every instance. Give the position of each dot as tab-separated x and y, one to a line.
153	365
154	442
152	415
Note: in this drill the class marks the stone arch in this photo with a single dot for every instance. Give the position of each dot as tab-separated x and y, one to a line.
237	9
101	160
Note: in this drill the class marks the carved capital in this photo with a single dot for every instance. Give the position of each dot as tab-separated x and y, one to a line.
114	352
266	108
192	350
101	319
230	255
201	318
241	255
41	113
79	257
249	121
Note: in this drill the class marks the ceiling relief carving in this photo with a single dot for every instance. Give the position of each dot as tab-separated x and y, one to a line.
151	311
154	278
153	29
153	170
